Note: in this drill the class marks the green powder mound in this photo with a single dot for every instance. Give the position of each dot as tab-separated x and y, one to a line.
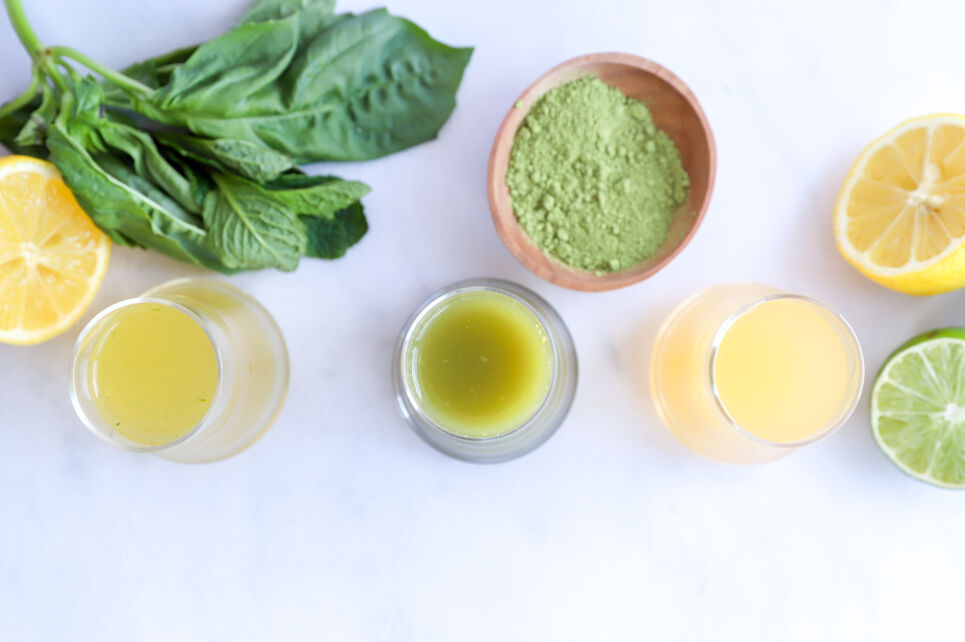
593	182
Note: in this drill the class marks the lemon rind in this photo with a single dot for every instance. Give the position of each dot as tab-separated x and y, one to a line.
860	259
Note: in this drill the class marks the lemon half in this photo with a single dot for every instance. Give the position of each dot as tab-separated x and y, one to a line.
52	256
900	217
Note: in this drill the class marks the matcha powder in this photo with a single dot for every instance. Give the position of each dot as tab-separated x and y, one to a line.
593	182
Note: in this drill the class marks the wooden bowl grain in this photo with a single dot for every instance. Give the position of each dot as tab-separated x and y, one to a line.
675	110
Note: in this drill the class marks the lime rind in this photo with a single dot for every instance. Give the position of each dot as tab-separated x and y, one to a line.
918	408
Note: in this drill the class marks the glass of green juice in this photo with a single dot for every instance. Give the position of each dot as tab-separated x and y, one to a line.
194	370
485	370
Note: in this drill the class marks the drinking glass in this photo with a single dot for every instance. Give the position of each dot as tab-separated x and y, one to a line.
687	389
252	360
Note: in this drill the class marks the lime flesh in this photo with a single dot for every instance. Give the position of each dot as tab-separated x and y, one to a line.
918	407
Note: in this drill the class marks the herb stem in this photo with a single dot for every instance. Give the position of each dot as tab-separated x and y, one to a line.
24	31
38	53
23	98
122	81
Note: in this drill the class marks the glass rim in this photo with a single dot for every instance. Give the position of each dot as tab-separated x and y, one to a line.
838	420
427	306
90	424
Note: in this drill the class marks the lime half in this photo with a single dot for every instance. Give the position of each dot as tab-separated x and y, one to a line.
918	407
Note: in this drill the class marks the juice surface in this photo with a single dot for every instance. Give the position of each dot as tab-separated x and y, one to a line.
155	373
482	364
782	370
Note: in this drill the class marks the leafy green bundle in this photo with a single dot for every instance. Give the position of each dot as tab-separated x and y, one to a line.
194	153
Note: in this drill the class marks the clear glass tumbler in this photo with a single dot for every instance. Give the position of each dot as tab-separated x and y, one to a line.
253	370
746	373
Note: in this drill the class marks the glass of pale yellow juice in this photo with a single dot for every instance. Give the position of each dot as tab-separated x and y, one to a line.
195	370
746	373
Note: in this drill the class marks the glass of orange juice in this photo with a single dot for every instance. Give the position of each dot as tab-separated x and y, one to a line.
195	370
746	373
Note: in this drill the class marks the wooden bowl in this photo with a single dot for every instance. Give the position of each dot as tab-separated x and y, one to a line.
675	110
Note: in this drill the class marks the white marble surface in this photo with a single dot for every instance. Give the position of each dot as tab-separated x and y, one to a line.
342	525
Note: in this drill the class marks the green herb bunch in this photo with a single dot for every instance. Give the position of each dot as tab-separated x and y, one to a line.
194	153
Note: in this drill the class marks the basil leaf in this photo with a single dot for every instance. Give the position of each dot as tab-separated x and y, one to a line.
230	70
370	85
242	157
99	134
156	72
249	228
13	123
127	215
153	72
329	238
34	131
166	215
200	182
316	195
263	10
149	162
363	87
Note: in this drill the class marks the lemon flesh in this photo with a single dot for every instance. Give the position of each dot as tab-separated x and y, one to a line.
52	256
900	216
